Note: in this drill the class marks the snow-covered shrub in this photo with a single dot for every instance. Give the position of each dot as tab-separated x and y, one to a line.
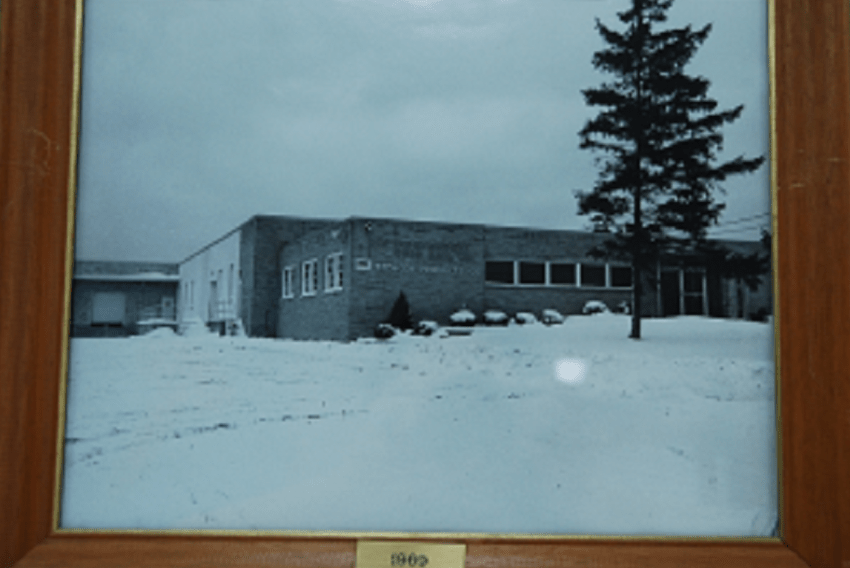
595	307
384	331
551	316
524	318
426	327
495	317
462	317
623	307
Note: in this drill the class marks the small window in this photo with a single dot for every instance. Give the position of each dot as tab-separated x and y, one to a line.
289	282
310	277
621	277
532	273
333	272
593	275
499	272
562	273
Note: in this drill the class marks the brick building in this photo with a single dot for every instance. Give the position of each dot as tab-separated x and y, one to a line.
122	298
299	278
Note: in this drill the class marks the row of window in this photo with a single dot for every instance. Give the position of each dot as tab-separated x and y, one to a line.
521	272
310	276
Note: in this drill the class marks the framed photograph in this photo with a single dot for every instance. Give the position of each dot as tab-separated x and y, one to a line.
38	113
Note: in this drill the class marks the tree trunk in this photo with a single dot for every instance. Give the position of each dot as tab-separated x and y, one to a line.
637	292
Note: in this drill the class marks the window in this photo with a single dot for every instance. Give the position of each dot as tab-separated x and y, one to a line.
621	277
562	273
593	275
333	272
499	271
532	273
288	282
309	277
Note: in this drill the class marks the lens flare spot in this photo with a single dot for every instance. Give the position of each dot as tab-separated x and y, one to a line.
570	371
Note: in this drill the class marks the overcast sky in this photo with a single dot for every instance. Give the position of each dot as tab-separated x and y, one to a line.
198	114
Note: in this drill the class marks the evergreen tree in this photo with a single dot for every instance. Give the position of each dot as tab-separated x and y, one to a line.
400	316
658	133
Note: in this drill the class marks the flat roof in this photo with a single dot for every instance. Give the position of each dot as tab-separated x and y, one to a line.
140	277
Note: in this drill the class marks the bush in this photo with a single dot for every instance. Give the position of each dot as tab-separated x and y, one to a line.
495	317
400	317
524	318
595	307
462	317
426	328
552	316
384	331
624	307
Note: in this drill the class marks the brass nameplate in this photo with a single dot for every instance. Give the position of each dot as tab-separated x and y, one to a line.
371	554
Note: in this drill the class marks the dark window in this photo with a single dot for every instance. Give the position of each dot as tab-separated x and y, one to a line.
592	275
693	282
501	272
621	276
562	273
532	273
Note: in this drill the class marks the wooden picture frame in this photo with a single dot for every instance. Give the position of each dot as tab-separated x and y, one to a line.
811	45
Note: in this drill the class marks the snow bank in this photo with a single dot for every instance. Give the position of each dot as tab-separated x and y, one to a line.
673	434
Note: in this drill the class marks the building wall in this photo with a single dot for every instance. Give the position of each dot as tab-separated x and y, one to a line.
323	315
215	267
138	296
542	246
438	266
263	240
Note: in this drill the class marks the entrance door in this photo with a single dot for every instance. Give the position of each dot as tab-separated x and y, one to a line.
670	293
213	305
108	308
694	292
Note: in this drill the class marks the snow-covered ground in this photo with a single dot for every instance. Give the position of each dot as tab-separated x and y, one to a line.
673	434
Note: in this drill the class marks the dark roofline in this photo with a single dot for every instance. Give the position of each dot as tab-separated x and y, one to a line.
517	228
86	267
409	221
251	220
477	225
